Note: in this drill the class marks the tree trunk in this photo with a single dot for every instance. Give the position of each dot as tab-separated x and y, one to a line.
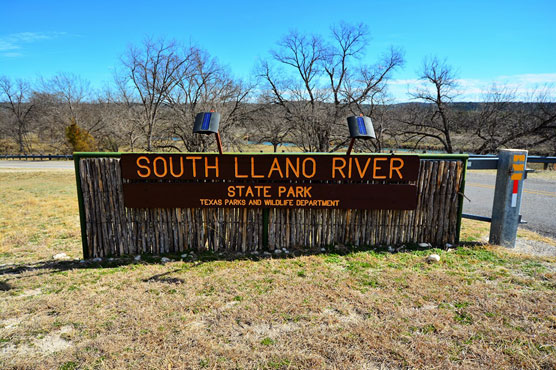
150	138
449	148
20	142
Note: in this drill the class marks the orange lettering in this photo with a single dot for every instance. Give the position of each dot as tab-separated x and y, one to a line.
193	164
259	188
142	166
231	191
305	167
295	169
207	167
339	169
362	173
172	167
375	168
275	167
155	167
236	169
253	169
397	169
291	192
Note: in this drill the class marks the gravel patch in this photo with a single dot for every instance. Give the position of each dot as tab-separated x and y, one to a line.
534	247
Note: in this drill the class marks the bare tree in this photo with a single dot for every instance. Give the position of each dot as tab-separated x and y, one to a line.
110	113
150	72
127	114
67	99
325	84
17	97
542	118
72	91
50	128
386	127
502	120
205	85
491	121
298	94
433	119
268	124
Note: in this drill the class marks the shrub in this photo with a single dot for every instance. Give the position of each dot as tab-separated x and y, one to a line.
79	139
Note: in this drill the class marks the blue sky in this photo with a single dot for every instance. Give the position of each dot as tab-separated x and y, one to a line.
508	41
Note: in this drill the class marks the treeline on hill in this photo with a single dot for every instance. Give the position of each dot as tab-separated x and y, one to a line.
302	94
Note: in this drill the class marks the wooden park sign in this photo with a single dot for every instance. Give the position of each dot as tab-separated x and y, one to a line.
134	203
269	181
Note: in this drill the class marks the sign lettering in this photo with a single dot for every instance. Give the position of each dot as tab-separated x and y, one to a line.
269	181
269	167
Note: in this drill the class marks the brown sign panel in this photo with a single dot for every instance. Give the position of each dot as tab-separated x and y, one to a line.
193	166
270	195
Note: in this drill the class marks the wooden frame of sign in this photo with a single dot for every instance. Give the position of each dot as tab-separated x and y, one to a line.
135	203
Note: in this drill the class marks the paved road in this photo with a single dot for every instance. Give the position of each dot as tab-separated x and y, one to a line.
37	164
538	205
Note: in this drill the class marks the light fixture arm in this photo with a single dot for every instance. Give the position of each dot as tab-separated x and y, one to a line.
218	142
350	146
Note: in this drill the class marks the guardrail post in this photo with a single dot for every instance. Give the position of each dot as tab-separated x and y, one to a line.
507	197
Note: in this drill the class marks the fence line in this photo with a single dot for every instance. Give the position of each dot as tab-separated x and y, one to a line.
36	156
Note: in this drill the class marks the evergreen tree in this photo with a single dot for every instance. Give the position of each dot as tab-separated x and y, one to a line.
80	139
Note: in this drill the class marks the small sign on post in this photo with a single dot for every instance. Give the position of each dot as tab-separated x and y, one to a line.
208	123
507	197
360	127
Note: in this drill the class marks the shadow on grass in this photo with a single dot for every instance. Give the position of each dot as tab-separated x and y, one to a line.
162	278
50	267
4	287
16	271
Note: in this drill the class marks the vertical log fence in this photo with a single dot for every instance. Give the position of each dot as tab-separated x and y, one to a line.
110	229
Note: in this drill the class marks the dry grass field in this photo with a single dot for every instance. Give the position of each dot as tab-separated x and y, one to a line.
479	307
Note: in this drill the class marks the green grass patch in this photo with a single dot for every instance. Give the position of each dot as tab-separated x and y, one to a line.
267	342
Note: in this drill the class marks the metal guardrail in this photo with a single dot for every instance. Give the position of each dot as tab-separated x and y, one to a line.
36	156
531	158
541	159
490	162
482	163
487	219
